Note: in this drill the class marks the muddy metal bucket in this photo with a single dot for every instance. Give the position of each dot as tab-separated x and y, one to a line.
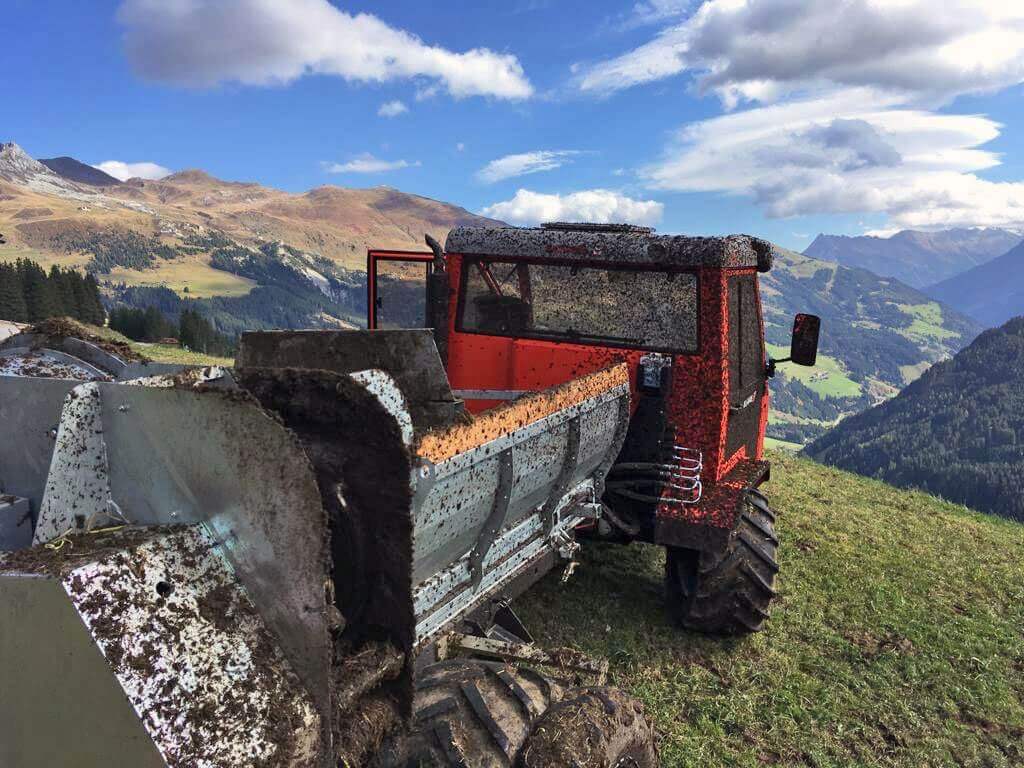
297	493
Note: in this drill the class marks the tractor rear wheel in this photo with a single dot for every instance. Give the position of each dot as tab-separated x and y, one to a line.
471	713
727	593
593	728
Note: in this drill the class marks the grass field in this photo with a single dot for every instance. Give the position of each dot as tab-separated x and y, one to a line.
45	259
165	353
161	353
837	384
927	322
897	639
193	273
913	372
772	443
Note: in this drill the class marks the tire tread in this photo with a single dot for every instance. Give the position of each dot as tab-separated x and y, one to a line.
728	593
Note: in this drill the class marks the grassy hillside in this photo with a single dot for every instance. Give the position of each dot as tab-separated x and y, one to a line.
897	639
878	335
159	353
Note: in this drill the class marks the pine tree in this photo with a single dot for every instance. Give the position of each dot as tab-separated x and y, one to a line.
12	299
92	309
154	325
40	294
82	297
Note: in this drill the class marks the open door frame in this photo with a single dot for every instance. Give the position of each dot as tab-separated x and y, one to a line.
375	256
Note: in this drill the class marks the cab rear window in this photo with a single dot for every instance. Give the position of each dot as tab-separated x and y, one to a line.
642	309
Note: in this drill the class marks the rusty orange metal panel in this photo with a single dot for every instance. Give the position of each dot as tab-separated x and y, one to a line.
439	445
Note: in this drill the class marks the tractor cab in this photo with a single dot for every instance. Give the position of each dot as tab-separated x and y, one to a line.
518	310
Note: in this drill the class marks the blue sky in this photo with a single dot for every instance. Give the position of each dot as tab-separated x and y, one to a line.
782	118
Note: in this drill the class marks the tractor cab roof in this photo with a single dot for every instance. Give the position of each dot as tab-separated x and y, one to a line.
620	243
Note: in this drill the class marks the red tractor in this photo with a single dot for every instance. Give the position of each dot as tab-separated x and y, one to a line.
518	310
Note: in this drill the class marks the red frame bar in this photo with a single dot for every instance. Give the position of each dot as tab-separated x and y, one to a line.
372	257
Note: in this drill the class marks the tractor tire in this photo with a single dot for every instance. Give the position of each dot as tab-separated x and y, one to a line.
471	713
727	593
593	728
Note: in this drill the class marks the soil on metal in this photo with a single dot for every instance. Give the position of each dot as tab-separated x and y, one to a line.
363	473
65	327
69	552
38	366
361	732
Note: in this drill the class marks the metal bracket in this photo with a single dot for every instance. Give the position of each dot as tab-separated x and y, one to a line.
616	447
495	520
425	475
566	545
570	460
449	646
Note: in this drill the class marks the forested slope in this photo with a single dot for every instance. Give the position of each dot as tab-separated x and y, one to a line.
957	432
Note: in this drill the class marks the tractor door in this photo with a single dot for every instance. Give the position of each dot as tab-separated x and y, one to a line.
396	289
747	377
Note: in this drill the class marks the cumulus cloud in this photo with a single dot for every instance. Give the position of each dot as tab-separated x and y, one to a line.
124	171
367	163
267	42
764	49
844	154
524	163
392	109
595	205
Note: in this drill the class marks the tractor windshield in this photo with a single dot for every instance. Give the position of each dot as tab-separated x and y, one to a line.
626	307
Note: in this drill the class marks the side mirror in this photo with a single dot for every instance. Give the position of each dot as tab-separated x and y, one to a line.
803	350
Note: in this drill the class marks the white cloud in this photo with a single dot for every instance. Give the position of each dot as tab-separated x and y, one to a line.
267	42
524	163
653	11
367	163
595	205
460	147
847	153
392	109
764	49
125	171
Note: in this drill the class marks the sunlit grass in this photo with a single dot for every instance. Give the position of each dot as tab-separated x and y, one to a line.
897	639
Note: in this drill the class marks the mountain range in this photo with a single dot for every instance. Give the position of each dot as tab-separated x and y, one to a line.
991	293
248	256
75	170
918	259
957	432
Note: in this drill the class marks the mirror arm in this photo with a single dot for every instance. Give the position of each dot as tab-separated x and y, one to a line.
772	362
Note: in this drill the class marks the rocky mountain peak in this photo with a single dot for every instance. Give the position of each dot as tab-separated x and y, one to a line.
17	165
